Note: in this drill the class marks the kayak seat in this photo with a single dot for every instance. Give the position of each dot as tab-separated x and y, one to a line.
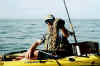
88	47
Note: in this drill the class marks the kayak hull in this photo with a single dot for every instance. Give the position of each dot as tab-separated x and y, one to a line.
72	61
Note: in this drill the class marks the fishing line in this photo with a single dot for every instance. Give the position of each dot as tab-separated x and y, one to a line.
77	47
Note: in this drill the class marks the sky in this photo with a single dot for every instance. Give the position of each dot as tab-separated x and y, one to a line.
35	9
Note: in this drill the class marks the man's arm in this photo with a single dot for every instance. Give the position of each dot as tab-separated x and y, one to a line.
34	45
30	53
65	32
38	42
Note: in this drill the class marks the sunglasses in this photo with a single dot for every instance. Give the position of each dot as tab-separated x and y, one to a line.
49	21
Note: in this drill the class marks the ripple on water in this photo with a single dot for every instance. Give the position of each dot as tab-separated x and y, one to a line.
17	35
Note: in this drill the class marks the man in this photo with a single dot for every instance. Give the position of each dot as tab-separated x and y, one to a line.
55	41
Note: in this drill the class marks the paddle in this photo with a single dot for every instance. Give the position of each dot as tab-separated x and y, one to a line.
53	57
10	56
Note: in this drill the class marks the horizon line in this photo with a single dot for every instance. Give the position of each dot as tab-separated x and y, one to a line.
41	19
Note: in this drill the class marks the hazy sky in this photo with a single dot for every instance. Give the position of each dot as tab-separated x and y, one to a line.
30	9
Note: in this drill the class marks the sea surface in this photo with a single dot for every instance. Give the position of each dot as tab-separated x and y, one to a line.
19	34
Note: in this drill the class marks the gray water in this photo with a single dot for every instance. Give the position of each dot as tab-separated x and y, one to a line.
17	35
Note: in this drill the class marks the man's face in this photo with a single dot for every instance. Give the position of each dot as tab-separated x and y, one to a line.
49	21
50	24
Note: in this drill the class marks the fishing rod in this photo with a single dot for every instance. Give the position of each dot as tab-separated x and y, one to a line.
77	47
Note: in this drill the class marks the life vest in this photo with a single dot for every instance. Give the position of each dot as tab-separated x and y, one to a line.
54	42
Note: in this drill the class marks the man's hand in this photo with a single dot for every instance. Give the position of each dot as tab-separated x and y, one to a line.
29	54
61	23
72	33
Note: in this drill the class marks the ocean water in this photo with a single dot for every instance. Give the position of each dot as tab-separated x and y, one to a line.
17	35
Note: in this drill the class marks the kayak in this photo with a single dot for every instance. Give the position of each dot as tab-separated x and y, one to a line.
73	61
92	57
